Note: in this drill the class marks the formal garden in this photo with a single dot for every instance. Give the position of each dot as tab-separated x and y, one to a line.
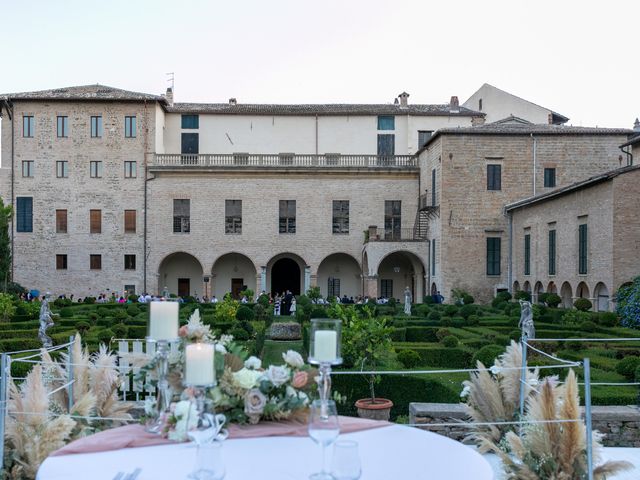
433	337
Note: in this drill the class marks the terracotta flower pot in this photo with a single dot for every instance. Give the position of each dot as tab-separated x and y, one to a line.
378	409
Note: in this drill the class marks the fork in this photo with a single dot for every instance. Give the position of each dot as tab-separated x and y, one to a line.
133	475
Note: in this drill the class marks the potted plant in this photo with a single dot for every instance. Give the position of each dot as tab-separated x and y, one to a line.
366	344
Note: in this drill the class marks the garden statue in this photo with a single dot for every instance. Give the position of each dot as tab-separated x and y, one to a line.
526	319
407	301
45	322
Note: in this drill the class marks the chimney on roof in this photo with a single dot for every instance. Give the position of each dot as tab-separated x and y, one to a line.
169	96
403	99
636	125
233	101
454	105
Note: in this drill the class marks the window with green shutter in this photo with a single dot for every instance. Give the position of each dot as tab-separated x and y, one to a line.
582	249
493	256
552	252
386	122
190	121
24	214
527	254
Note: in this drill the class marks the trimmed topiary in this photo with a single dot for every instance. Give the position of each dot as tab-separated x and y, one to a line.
120	330
133	310
409	358
553	300
450	341
450	310
82	327
434	315
607	319
239	334
467	310
522	295
121	315
487	355
588	326
105	336
442	333
245	314
468	299
627	366
66	312
583	304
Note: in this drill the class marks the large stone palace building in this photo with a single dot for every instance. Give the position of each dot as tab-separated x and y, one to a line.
116	190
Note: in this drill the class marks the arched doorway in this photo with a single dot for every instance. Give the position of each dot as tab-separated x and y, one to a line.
551	288
232	273
601	295
434	289
286	272
526	287
181	274
566	293
582	290
538	290
399	270
516	286
339	274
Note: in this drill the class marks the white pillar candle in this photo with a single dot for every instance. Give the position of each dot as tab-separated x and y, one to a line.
163	320
199	368
325	345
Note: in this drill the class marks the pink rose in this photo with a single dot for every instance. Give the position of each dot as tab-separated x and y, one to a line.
299	379
182	332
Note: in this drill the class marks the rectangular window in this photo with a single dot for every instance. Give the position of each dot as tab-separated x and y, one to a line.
527	254
423	137
386	122
582	249
386	288
130	169
130	289
287	216
95	221
96	127
190	121
233	216
181	216
386	145
130	127
392	219
190	144
61	262
28	126
95	262
333	287
433	256
552	252
129	262
341	217
28	166
62	126
61	221
433	187
62	169
129	221
493	256
95	169
494	177
24	214
549	177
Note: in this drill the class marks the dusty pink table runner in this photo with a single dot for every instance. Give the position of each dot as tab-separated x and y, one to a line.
132	436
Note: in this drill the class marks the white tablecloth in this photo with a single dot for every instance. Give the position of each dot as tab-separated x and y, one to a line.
388	453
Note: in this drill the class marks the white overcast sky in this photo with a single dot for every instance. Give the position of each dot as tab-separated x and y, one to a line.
578	58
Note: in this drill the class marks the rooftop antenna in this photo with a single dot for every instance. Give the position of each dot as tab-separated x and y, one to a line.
171	78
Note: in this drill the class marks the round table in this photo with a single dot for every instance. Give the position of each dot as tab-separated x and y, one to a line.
386	453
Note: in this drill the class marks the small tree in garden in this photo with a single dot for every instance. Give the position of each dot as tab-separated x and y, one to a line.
628	304
366	341
583	304
7	309
314	293
5	245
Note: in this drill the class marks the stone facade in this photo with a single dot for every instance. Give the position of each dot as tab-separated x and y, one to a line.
469	212
619	424
606	205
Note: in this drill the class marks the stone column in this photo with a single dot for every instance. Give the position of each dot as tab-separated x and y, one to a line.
371	286
314	280
307	279
263	278
419	286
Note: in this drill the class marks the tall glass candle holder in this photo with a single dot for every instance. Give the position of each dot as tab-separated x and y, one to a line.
325	342
162	330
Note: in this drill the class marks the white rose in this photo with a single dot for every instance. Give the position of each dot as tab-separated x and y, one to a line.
246	378
293	358
252	363
291	392
182	409
278	375
220	348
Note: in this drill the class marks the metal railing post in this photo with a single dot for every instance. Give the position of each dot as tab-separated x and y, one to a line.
523	375
4	385
587	416
70	361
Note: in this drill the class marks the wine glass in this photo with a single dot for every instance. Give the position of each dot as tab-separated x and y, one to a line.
346	461
323	429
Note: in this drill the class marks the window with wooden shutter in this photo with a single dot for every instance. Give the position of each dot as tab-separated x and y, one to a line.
61	221
95	262
493	256
527	254
494	177
552	252
24	214
582	249
129	221
61	262
95	221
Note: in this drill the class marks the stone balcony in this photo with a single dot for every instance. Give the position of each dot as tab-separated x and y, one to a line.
289	161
